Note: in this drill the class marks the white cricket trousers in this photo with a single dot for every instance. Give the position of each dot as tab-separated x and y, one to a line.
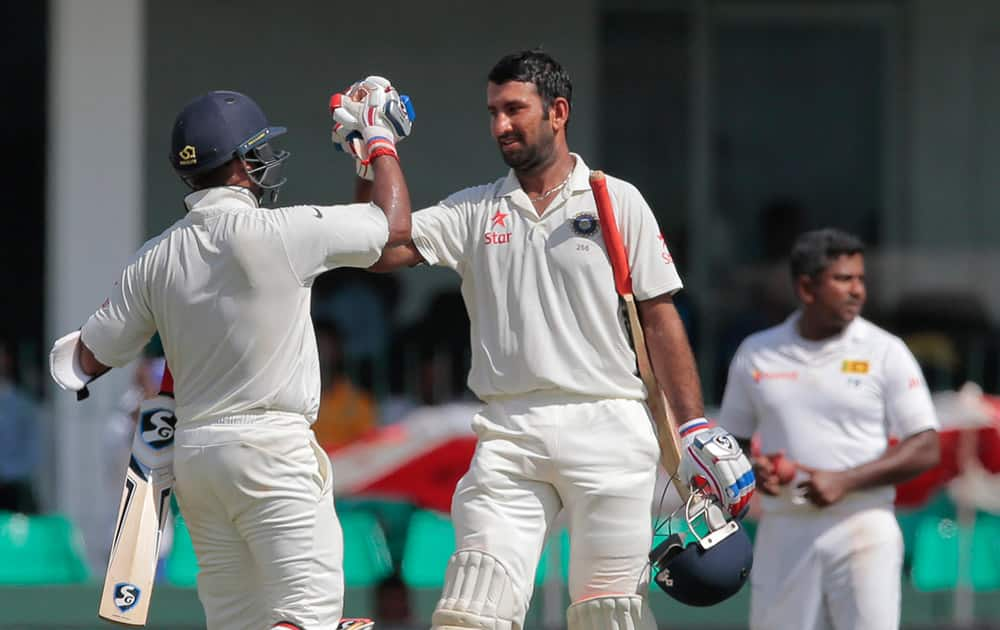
820	571
256	494
549	451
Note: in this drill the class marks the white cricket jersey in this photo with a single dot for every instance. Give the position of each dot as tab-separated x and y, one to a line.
228	288
829	404
539	289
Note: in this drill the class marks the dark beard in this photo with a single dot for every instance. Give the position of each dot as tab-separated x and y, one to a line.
530	159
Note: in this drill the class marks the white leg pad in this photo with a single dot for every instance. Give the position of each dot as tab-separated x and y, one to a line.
612	612
478	594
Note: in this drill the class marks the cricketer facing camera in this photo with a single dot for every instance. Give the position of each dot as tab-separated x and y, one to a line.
826	388
228	289
564	425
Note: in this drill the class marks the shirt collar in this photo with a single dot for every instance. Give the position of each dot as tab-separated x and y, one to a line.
579	179
228	196
855	331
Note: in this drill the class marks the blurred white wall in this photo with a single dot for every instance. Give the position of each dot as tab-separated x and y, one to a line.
95	217
954	152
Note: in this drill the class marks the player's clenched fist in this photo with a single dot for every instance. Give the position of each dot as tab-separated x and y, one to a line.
376	94
711	459
368	120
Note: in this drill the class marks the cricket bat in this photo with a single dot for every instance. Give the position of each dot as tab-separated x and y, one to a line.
659	406
142	512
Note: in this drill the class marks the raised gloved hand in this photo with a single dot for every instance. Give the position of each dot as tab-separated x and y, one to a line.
369	118
376	93
712	460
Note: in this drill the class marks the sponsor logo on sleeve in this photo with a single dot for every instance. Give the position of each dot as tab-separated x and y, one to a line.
664	251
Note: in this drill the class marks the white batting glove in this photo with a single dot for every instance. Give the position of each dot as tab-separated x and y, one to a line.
352	144
712	460
356	116
397	110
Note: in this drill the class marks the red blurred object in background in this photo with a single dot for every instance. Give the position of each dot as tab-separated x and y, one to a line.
920	489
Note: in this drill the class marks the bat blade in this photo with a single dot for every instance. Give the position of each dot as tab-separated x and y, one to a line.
128	583
659	406
142	512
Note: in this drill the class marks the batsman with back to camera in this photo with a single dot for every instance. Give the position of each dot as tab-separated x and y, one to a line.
228	288
826	388
564	425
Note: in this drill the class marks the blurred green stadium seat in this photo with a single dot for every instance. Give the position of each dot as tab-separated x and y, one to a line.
937	549
44	549
181	567
392	514
940	505
366	554
430	543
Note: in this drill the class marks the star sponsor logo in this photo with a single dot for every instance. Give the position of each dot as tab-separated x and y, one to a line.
496	238
759	375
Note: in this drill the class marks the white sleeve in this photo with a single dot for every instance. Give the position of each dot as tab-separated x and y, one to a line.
908	405
653	269
441	232
124	324
321	238
737	413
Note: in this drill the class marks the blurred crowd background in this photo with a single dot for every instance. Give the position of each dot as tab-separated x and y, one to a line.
743	123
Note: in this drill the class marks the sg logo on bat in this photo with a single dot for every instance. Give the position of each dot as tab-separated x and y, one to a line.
157	427
126	595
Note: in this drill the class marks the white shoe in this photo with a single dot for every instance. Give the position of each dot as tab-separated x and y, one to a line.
355	624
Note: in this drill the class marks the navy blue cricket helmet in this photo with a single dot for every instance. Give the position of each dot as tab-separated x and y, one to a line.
703	570
220	126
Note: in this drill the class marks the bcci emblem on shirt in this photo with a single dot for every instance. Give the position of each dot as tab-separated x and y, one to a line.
585	224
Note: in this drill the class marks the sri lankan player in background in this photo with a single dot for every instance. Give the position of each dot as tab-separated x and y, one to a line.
826	389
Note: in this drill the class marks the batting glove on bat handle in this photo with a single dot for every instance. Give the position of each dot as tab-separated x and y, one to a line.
711	459
374	102
397	110
352	144
377	134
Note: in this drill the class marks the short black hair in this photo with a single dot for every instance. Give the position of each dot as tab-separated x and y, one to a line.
814	251
538	67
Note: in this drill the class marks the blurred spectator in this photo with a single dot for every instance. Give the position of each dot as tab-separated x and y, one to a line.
434	359
762	294
951	334
346	412
363	306
19	437
392	604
